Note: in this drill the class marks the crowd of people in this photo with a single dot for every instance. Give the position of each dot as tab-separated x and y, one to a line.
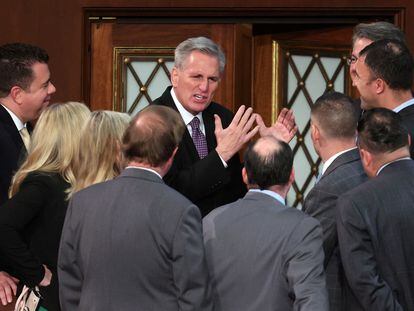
101	211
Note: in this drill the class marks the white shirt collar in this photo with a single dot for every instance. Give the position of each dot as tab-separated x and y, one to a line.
187	116
273	194
404	105
145	169
386	164
333	158
19	124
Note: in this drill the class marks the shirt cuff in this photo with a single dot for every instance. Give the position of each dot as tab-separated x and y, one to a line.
222	161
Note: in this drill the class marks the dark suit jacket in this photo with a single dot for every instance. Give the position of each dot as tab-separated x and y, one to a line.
345	173
264	256
12	150
375	230
407	115
30	226
133	243
205	182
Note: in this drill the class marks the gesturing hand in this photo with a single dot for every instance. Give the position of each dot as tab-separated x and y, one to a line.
47	277
8	287
284	128
231	139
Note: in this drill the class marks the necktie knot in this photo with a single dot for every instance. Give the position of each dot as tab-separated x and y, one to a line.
195	123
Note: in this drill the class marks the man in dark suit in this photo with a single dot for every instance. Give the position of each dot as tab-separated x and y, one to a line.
263	255
334	119
25	89
206	168
133	243
376	219
384	76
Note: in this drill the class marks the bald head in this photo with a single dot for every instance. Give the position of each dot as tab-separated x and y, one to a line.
268	162
153	135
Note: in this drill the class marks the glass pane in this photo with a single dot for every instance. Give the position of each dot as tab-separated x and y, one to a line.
291	196
301	111
315	83
141	105
302	167
158	84
330	64
132	89
309	145
302	63
292	83
144	69
339	84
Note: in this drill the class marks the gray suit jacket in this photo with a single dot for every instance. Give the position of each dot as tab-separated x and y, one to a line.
375	231
264	256
344	174
133	243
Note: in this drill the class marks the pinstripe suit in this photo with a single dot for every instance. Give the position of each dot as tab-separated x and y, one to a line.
345	173
375	230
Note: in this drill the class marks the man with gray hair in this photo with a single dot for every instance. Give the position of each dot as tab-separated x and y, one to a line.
206	168
364	34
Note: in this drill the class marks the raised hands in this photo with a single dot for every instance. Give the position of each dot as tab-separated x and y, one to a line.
284	128
231	139
8	287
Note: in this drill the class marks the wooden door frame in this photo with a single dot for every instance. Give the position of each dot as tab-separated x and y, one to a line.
237	15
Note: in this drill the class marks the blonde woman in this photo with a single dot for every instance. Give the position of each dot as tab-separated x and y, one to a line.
100	153
31	220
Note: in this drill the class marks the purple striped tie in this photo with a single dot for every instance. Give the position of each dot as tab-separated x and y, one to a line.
198	138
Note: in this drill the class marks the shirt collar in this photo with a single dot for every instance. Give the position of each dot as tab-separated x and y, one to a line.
386	164
187	116
404	105
271	193
19	124
145	169
333	158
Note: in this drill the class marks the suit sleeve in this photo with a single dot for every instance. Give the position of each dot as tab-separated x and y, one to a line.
189	265
359	261
70	276
322	206
204	177
305	272
15	215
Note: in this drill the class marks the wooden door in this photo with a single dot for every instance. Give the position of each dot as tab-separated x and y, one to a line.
118	46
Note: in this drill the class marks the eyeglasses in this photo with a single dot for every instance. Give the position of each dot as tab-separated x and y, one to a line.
351	60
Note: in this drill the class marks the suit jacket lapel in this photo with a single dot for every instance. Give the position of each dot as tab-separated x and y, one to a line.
209	126
10	127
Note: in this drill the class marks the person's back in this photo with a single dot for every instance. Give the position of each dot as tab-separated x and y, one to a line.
133	261
261	254
133	243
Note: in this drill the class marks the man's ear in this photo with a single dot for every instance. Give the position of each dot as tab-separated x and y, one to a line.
292	176
16	93
367	160
174	77
244	176
380	85
315	132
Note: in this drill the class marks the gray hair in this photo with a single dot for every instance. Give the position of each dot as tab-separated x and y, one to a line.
201	44
378	31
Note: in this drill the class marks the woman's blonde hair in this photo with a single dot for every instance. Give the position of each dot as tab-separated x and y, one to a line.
100	156
54	143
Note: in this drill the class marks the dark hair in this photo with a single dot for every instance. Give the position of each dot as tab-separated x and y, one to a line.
391	61
268	162
16	61
381	130
336	114
377	31
152	135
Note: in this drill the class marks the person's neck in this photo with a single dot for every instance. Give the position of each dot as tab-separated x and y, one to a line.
334	146
394	98
385	158
159	170
11	105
